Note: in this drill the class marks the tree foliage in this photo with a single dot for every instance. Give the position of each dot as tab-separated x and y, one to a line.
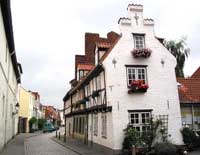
33	120
41	122
180	51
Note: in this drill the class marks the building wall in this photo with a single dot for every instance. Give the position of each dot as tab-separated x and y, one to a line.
98	138
162	95
24	101
26	106
69	126
8	91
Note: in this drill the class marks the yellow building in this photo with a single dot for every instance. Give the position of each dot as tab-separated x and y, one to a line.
25	110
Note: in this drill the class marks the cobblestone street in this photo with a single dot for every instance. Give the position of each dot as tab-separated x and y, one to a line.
44	145
35	144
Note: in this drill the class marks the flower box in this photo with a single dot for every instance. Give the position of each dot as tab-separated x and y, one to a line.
137	86
82	101
144	53
95	93
86	99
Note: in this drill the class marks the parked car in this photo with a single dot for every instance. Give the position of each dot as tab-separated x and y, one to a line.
48	127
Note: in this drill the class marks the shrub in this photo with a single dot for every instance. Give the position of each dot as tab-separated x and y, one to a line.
41	122
165	149
189	137
32	121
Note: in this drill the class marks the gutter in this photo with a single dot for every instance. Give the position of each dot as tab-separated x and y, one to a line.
7	21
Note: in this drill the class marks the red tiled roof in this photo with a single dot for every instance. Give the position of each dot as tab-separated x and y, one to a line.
196	74
189	90
103	44
110	49
50	112
85	66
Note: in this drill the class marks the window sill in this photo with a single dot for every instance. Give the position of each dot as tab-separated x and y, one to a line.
131	91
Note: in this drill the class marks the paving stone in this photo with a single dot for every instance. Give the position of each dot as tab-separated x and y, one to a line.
44	145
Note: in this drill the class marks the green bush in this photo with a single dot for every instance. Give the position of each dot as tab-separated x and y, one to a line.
165	149
41	122
32	121
189	137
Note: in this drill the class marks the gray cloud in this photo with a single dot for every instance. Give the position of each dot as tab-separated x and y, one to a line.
49	33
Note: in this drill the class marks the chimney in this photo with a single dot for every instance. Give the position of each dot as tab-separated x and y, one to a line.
90	39
112	36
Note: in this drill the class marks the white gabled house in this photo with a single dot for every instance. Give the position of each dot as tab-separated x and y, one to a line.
122	79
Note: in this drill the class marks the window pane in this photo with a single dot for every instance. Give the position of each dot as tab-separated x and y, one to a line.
139	41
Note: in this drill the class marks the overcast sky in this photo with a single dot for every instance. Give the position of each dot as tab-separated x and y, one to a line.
48	33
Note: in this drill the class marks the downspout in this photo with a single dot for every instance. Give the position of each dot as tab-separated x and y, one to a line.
105	86
92	129
192	110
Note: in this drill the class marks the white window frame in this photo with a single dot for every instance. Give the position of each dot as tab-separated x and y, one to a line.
136	74
139	41
104	125
140	125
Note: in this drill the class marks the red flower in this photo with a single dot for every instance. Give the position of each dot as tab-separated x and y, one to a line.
138	85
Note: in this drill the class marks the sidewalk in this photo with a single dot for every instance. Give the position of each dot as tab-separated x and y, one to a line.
77	146
196	152
16	145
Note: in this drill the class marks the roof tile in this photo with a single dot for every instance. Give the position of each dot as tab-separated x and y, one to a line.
189	91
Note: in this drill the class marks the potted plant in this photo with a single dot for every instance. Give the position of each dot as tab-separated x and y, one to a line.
95	93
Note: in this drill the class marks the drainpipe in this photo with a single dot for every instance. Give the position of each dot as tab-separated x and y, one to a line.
91	129
192	110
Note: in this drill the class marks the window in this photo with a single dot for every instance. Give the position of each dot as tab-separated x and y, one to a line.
136	73
81	72
139	41
104	125
96	125
140	121
98	82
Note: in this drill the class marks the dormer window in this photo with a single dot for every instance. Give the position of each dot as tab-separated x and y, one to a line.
81	74
139	41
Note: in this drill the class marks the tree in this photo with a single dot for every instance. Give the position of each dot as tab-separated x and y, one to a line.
180	52
32	121
41	122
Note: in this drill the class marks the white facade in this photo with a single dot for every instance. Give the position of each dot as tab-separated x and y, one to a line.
8	90
162	95
105	127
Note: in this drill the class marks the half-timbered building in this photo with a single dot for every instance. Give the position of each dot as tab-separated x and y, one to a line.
122	79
